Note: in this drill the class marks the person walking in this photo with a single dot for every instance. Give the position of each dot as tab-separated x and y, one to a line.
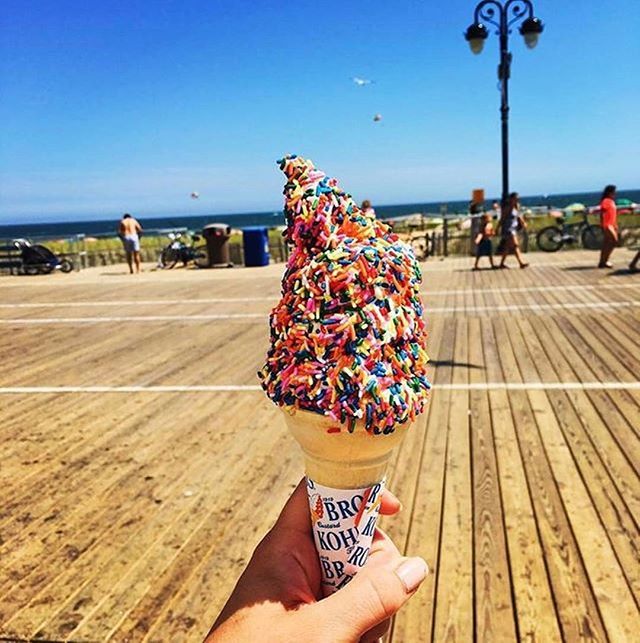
609	223
510	223
129	232
483	240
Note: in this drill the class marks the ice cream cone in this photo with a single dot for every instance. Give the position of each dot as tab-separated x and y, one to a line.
348	340
345	481
338	458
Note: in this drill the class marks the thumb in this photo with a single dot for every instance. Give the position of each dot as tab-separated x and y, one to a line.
374	595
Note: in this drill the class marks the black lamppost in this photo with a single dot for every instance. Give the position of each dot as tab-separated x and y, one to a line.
503	16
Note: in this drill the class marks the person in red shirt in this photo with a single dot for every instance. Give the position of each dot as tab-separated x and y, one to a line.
609	223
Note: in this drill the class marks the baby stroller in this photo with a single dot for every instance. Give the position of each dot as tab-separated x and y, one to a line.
39	260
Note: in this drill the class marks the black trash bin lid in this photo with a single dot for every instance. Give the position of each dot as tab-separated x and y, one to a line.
218	228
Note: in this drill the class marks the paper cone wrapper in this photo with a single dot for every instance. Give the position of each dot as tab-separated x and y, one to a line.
345	480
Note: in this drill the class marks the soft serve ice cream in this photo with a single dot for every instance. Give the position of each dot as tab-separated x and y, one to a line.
347	361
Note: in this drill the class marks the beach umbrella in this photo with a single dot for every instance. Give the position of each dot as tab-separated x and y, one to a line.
575	207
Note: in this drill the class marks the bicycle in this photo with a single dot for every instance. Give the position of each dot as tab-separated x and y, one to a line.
178	250
553	237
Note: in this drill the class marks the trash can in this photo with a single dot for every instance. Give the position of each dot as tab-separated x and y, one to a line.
217	236
256	246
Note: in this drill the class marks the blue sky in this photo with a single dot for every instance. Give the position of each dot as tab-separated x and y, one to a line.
125	105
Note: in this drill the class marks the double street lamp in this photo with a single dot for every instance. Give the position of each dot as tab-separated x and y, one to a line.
503	16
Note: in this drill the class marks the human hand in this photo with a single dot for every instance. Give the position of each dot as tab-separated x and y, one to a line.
278	597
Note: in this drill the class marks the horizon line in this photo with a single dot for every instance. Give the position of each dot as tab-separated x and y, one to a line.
440	202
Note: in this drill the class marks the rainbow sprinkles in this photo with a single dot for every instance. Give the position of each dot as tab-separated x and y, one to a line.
347	337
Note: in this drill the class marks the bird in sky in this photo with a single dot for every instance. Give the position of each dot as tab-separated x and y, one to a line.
361	82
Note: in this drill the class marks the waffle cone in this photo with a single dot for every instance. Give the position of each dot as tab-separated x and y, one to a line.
339	458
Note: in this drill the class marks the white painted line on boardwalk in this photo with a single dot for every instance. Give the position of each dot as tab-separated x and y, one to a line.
133	318
147	277
540	386
38	321
463	264
528	289
273	299
138	302
232	388
534	307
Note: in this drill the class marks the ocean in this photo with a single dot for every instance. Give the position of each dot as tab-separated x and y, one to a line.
61	229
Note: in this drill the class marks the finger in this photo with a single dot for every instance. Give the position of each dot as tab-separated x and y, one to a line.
295	513
375	594
382	542
389	504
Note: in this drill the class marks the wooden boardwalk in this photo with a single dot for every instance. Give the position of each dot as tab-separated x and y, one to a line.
141	464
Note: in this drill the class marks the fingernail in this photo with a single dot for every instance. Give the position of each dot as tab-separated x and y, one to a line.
411	573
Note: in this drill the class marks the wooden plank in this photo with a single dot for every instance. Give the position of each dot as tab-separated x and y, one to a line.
571	365
577	607
405	470
627	326
588	452
607	578
544	465
610	440
537	619
621	342
207	522
454	616
494	608
623	363
54	488
222	565
106	520
417	621
65	492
